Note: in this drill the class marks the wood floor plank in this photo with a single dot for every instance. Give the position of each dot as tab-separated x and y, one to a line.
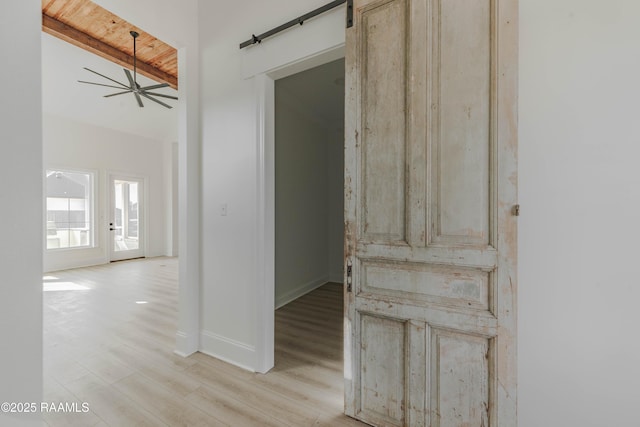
161	374
285	410
163	403
230	411
117	409
106	367
55	393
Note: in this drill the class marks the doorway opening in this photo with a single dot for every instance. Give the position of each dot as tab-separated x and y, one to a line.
83	128
309	212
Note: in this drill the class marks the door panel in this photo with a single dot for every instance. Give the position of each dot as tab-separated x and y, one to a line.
430	237
383	363
126	218
459	361
460	133
383	134
457	287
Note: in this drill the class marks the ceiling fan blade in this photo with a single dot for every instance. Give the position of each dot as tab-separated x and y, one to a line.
161	94
155	100
131	81
108	78
119	93
158	86
139	99
99	84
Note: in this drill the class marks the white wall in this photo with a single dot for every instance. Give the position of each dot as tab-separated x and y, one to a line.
579	190
302	198
73	145
20	210
173	199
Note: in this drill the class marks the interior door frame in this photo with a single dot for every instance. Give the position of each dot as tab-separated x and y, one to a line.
265	198
143	215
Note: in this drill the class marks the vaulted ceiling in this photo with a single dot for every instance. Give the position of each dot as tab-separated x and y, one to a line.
95	29
78	34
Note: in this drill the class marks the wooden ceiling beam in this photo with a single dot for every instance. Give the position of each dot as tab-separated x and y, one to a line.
82	40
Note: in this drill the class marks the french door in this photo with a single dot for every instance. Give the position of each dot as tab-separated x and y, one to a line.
126	220
430	213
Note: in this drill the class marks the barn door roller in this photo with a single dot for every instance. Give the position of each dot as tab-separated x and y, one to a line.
300	20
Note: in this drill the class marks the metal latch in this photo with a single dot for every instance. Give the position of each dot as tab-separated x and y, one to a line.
349	13
516	210
349	273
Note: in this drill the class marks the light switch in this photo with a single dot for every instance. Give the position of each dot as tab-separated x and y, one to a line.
223	209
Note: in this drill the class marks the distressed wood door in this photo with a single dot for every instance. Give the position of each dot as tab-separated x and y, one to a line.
430	204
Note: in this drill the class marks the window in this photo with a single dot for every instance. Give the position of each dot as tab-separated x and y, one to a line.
69	209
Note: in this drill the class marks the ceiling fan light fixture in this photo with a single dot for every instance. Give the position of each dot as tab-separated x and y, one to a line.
133	87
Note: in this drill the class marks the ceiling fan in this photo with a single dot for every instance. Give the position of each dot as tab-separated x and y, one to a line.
133	86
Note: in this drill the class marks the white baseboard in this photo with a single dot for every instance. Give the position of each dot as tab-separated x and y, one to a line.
282	300
185	345
228	350
50	266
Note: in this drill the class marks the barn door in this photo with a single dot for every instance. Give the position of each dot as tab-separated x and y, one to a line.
430	194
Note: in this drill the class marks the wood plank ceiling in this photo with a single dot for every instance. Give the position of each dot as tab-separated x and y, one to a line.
95	29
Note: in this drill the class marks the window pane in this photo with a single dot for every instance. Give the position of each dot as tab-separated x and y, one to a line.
132	231
69	203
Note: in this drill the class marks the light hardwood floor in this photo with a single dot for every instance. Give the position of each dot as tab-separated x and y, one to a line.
109	340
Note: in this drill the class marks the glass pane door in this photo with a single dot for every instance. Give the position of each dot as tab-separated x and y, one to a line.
126	221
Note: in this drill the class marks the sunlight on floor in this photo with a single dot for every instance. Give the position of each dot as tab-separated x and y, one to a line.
63	286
